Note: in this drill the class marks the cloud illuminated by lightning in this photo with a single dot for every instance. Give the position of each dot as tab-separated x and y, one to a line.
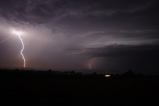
19	34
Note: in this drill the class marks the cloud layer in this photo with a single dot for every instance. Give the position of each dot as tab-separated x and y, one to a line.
64	34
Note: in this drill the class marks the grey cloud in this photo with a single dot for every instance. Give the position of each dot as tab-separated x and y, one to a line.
123	50
40	10
143	58
76	30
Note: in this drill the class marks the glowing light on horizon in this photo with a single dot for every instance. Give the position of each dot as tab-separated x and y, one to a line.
107	75
19	34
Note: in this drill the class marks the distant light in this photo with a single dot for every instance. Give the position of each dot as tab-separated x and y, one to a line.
107	75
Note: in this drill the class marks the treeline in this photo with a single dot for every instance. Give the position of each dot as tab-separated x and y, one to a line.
71	74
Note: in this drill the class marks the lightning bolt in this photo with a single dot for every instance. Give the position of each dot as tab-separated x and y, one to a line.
91	63
21	51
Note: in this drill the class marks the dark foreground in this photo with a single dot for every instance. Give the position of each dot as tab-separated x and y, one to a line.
50	88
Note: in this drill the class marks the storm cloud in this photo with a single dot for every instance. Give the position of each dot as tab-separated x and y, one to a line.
62	34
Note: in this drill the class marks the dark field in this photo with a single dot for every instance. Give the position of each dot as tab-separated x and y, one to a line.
59	88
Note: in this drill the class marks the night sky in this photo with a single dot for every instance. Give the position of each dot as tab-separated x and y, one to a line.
110	36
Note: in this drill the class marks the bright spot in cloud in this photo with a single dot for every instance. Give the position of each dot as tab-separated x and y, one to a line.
17	32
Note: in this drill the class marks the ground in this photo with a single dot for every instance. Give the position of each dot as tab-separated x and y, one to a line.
45	88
